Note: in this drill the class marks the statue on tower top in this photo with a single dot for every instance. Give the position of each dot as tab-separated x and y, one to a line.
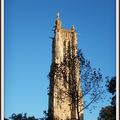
58	15
73	28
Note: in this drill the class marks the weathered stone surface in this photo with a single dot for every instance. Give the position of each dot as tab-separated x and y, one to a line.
64	75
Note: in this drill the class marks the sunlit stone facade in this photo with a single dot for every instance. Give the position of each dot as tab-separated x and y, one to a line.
64	75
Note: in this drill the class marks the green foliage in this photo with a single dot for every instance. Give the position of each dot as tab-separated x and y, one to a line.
21	117
111	87
109	112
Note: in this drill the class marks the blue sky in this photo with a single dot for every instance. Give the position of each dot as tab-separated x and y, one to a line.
28	26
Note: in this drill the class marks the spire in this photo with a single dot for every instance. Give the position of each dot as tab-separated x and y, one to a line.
58	24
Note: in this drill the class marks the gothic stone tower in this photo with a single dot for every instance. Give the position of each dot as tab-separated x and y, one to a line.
65	96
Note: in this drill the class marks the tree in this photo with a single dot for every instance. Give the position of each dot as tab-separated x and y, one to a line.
109	112
91	81
90	78
20	117
111	87
45	115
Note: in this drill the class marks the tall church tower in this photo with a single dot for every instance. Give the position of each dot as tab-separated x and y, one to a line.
65	96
